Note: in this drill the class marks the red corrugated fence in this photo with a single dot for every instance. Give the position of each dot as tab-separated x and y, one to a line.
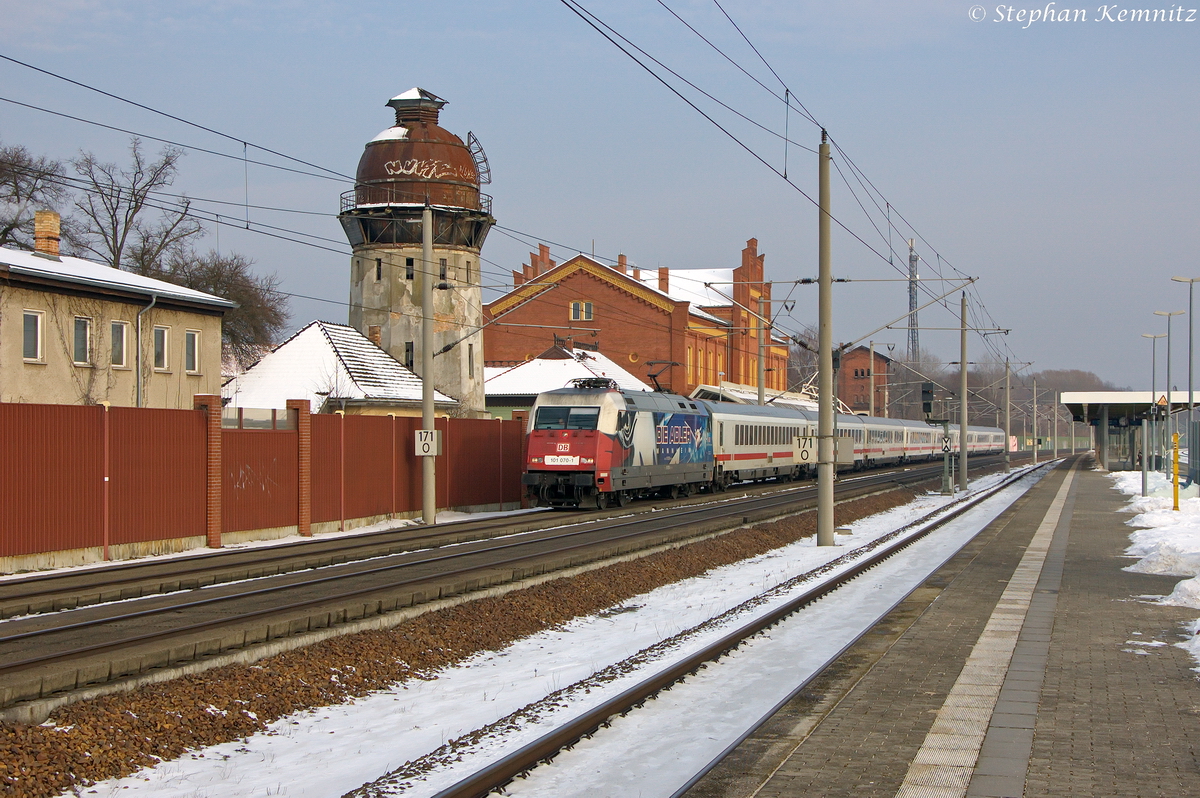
54	460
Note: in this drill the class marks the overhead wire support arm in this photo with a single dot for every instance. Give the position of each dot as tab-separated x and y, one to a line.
966	281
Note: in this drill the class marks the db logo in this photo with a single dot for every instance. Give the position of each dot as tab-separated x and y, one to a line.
564	447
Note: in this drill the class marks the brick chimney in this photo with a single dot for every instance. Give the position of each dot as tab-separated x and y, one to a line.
622	264
637	274
46	229
664	280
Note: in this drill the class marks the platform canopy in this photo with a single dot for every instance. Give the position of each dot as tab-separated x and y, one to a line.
1087	406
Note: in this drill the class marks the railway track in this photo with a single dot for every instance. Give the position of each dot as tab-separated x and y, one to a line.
60	652
71	589
501	772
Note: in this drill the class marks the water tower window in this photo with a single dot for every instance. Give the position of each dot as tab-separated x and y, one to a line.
378	269
470	276
408	355
581	311
442	270
409	268
471	361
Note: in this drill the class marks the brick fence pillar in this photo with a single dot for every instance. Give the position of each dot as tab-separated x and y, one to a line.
303	465
214	479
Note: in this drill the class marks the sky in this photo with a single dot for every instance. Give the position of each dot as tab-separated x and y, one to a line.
1056	161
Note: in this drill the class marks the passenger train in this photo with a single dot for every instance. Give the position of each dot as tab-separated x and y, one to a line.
594	444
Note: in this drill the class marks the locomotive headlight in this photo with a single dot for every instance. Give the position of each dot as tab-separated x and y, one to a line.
536	460
587	460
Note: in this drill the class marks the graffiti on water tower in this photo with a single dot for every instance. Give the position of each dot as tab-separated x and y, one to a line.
429	169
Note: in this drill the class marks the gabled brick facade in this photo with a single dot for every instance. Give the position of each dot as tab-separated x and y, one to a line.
634	319
854	381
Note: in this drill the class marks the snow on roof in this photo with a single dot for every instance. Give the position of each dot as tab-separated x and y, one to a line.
417	93
86	272
748	395
394	133
688	285
542	374
326	361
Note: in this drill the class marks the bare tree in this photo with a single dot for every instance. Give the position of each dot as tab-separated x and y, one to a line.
113	204
802	356
27	183
908	376
262	310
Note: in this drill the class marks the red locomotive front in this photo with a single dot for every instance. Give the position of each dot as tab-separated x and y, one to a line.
593	444
569	454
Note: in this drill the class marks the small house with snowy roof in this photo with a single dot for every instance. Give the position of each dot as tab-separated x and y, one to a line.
78	332
334	367
510	388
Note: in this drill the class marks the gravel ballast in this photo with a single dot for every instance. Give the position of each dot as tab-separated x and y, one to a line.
116	735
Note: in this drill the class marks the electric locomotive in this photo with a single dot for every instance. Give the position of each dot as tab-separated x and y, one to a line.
592	444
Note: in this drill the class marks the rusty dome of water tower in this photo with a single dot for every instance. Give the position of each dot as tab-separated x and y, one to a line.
417	161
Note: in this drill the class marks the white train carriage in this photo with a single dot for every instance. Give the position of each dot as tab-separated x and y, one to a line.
757	442
886	441
921	442
981	440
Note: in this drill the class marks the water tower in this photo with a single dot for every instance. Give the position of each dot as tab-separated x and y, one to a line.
413	163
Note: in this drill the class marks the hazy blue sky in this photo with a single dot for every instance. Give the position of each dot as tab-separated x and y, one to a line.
1056	161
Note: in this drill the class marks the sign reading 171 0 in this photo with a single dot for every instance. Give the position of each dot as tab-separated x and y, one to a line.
429	442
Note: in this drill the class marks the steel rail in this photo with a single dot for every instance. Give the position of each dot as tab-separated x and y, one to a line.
661	524
502	771
208	562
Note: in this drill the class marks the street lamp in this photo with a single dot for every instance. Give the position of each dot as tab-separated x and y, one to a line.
1168	314
1191	281
1152	438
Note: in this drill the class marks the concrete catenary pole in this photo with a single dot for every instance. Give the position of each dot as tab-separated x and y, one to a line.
825	455
1056	425
1007	417
914	340
1035	428
871	374
962	399
428	464
762	350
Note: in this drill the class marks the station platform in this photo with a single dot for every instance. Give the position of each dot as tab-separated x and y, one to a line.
1026	666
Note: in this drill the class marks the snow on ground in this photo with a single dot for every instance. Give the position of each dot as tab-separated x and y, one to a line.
497	701
680	733
1166	542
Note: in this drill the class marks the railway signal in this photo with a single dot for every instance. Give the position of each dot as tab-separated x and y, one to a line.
927	398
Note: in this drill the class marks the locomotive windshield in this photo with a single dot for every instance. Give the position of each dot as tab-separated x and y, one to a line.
566	418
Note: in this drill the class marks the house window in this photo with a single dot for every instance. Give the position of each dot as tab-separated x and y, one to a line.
378	269
161	337
410	268
581	311
81	342
119	336
408	355
191	351
32	337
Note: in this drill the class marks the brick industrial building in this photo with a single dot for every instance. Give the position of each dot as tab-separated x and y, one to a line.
703	320
854	381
